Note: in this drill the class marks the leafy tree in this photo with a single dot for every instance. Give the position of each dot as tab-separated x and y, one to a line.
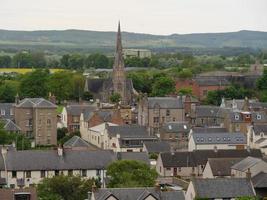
87	96
185	91
5	61
61	133
233	92
38	59
97	61
21	142
64	61
142	81
34	84
64	188
76	61
115	98
60	84
23	59
130	173
78	82
8	91
163	86
262	82
185	73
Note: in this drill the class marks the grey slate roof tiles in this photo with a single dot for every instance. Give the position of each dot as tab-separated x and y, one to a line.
50	160
76	141
223	187
200	157
246	163
137	194
222	166
260	180
157	147
165	102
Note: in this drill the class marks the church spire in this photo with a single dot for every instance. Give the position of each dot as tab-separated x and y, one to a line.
118	62
118	78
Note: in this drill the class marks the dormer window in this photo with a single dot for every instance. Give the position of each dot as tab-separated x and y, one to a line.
258	117
236	117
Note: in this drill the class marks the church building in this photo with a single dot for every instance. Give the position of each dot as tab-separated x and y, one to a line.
102	89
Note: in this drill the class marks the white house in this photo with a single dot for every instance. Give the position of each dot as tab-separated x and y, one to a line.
25	168
257	137
123	138
205	141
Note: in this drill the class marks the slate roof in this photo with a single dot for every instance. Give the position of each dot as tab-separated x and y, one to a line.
208	130
157	147
222	166
260	180
76	141
260	128
77	109
128	131
207	111
165	102
178	159
212	81
246	163
138	156
35	103
106	115
219	138
176	127
9	125
50	160
200	157
137	194
7	107
223	187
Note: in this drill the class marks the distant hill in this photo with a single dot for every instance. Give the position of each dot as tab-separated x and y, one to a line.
80	39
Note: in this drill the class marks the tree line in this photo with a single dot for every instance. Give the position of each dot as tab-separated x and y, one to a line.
65	85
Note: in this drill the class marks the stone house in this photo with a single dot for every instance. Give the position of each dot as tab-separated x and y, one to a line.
37	119
176	134
153	112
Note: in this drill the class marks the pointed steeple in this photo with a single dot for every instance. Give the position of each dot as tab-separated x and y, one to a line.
118	62
118	78
119	44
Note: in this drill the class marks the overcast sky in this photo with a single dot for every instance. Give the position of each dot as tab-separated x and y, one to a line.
146	16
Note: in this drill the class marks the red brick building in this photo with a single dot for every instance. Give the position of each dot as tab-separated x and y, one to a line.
202	85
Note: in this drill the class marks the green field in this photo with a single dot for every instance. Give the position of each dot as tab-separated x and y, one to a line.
25	70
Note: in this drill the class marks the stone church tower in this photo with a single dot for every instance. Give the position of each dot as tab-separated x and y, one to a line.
118	76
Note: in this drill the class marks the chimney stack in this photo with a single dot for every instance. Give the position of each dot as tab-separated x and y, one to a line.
248	174
60	151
